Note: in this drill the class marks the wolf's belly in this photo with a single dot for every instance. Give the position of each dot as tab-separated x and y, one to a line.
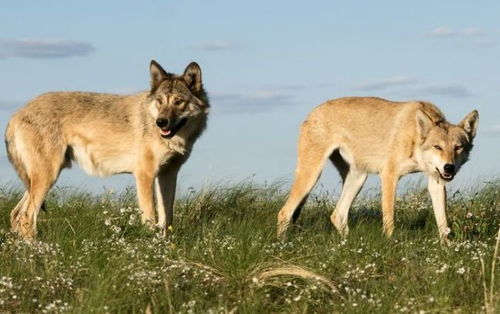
102	161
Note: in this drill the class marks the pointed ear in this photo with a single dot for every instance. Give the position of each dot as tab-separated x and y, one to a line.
424	124
192	77
157	73
470	122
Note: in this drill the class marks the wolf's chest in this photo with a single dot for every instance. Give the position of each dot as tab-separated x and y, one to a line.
175	148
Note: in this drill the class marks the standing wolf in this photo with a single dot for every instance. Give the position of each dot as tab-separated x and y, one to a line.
149	134
372	135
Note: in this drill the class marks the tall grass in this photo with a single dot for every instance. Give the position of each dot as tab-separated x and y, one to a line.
93	255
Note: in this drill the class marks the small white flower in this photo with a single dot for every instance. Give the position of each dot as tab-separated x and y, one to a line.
461	270
442	269
469	215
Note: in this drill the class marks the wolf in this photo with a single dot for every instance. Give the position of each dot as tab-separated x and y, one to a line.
148	134
364	135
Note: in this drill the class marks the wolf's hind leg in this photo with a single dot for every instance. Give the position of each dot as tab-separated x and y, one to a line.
38	166
26	222
353	182
310	162
20	207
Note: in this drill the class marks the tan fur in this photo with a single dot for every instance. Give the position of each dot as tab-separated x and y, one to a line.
108	134
372	135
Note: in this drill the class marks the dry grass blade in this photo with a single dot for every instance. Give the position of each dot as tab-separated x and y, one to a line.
493	263
70	226
294	271
168	296
485	288
205	267
489	294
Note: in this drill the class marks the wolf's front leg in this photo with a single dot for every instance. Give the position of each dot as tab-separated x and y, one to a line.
165	195
437	190
144	181
389	183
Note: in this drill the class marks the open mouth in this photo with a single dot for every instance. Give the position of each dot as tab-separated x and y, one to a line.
170	132
445	176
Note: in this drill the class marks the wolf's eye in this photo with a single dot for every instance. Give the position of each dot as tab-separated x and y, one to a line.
178	102
458	147
437	147
159	100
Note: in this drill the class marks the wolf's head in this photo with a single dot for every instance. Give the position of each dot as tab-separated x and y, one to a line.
176	99
445	147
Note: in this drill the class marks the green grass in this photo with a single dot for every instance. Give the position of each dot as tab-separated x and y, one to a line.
93	256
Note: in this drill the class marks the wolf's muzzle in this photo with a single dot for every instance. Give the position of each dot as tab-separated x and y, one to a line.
168	130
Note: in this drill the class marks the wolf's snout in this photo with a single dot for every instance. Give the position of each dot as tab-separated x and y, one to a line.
162	122
449	168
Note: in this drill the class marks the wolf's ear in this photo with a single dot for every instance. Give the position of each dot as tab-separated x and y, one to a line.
469	123
192	77
424	124
157	73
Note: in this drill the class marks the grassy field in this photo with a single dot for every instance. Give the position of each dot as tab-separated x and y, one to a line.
93	256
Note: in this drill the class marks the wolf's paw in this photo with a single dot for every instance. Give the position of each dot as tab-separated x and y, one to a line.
445	241
164	230
150	224
341	227
25	231
281	232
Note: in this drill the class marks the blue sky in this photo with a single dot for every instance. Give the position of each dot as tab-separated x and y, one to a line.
265	64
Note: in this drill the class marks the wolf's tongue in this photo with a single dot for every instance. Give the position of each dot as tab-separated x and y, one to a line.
167	132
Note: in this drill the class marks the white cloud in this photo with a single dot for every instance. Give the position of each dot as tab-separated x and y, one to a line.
43	48
385	83
215	45
442	32
472	31
493	130
257	101
451	90
412	87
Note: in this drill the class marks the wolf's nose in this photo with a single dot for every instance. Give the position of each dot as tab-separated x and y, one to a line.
161	122
449	168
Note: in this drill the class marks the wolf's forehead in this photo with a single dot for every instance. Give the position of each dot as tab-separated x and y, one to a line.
458	134
451	133
175	86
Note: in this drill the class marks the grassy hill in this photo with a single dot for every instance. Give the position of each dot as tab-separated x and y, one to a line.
93	255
